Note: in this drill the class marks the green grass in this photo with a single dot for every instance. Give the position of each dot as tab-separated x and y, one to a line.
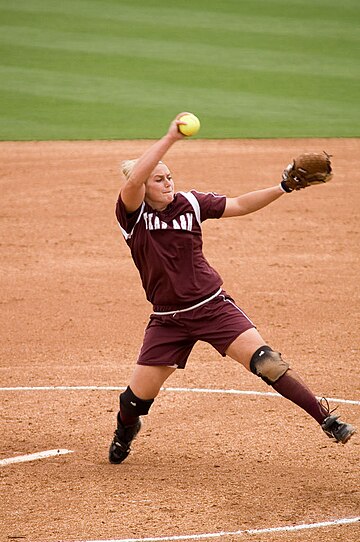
113	69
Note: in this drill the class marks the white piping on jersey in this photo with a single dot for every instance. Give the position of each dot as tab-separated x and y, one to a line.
238	308
192	307
124	232
212	193
194	204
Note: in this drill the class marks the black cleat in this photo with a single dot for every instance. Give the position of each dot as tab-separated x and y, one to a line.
338	431
335	429
123	437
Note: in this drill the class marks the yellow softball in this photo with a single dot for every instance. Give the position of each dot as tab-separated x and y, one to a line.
192	125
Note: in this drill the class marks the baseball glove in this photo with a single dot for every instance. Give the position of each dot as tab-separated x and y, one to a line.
307	169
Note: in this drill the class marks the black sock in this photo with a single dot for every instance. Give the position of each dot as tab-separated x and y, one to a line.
131	407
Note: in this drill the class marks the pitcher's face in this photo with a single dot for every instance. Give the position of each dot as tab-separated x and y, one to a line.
159	187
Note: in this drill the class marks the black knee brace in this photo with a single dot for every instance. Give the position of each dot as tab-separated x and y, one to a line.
134	405
268	365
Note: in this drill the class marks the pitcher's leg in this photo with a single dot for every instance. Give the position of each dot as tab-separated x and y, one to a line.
243	347
146	380
144	386
135	401
250	350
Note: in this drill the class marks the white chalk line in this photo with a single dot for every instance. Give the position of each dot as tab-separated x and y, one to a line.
33	457
319	525
175	390
201	536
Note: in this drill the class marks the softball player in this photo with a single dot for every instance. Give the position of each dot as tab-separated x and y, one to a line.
163	231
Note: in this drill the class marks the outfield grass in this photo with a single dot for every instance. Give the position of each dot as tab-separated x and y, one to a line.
114	69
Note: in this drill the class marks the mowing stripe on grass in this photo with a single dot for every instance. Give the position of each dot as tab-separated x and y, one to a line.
102	70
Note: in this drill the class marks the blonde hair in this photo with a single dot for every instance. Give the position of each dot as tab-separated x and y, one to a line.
126	167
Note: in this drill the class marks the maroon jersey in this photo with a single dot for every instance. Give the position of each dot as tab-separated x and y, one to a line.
166	247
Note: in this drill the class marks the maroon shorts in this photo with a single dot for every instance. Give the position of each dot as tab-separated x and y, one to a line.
170	338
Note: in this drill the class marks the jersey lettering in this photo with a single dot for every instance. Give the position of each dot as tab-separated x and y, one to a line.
183	222
153	223
186	222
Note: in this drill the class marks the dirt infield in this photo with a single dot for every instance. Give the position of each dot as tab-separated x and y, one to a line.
73	314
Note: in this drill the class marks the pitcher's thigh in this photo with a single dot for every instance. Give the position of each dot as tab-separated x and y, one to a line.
244	346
